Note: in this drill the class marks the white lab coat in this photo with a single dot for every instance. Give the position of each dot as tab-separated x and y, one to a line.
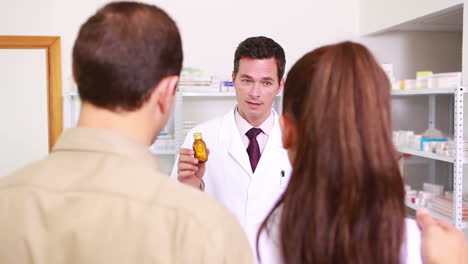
410	250
229	178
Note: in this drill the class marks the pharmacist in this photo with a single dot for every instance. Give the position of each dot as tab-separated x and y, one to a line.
247	168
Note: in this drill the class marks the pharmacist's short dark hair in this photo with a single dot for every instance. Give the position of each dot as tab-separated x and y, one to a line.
122	52
261	48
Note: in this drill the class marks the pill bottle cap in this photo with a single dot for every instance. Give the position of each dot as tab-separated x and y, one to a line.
197	135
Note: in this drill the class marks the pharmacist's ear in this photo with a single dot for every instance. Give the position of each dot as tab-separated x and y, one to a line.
281	86
289	132
233	76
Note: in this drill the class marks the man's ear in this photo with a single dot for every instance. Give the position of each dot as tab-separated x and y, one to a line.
281	86
164	92
289	132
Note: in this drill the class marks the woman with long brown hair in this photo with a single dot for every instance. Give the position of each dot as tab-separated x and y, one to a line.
345	199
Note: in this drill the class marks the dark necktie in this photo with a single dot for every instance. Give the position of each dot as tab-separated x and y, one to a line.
253	149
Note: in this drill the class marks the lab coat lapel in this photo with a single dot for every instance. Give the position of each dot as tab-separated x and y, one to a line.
235	145
270	153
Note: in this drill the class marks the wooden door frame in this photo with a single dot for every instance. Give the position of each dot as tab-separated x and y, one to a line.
54	76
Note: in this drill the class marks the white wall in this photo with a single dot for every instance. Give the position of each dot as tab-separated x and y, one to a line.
27	17
210	29
298	26
24	133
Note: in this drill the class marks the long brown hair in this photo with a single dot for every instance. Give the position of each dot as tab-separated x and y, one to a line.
345	199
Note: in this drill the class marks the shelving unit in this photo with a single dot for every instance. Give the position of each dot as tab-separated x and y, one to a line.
436	215
427	155
433	91
182	98
458	160
213	94
71	103
438	16
163	152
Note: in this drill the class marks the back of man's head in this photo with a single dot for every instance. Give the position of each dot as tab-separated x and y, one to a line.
122	52
261	47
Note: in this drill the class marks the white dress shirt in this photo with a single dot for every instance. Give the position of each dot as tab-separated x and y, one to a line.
244	126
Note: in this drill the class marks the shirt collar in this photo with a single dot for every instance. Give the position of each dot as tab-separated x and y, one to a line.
107	141
244	126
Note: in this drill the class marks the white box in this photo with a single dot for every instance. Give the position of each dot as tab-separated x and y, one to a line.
445	80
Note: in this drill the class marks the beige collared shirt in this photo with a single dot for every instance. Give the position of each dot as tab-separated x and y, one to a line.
244	126
100	197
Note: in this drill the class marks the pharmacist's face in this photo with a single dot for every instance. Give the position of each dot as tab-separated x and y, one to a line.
256	84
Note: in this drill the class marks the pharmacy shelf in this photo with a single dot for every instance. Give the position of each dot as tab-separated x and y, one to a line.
425	91
71	93
464	225
427	155
185	94
212	94
208	94
163	152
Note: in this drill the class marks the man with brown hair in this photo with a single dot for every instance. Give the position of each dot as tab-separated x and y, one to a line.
100	196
